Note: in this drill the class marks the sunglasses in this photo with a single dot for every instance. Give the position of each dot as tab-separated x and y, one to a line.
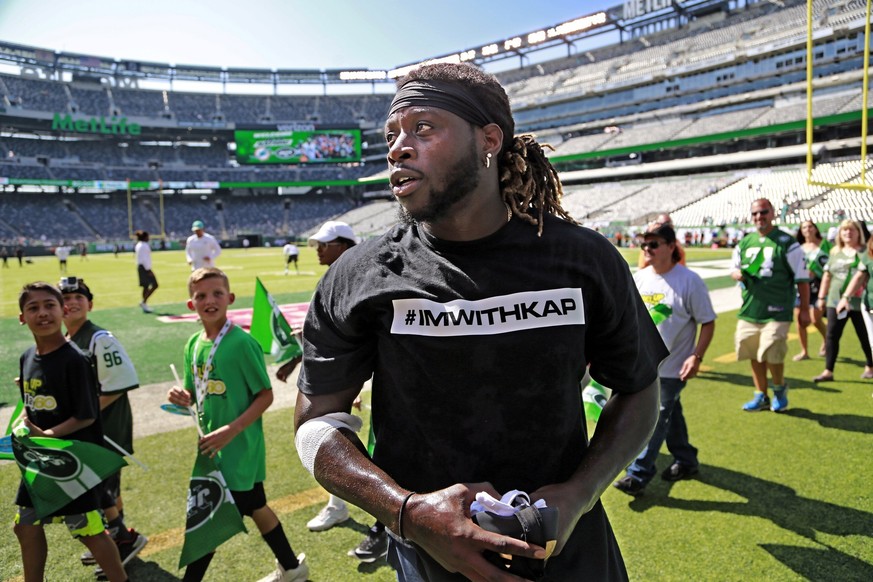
322	245
761	212
653	245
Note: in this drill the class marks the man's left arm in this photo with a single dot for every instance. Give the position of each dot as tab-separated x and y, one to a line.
624	428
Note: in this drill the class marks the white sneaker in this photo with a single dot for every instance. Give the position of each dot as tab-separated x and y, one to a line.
328	517
146	308
298	574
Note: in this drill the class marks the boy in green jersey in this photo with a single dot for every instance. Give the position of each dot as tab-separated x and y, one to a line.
232	391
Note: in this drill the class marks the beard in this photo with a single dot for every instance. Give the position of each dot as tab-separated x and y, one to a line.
463	180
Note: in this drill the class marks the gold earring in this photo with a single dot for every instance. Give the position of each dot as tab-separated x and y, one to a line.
488	160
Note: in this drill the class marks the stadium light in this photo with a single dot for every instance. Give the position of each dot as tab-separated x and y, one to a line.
536	37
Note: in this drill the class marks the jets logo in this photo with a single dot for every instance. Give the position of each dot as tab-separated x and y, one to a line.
205	496
280	332
55	463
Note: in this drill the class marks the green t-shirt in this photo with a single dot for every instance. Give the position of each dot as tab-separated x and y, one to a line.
816	259
841	266
237	374
771	266
865	265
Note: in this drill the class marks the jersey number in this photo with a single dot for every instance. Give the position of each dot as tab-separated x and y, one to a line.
112	359
766	269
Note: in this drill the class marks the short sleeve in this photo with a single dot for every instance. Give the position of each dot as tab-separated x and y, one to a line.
253	368
339	345
797	262
115	370
622	344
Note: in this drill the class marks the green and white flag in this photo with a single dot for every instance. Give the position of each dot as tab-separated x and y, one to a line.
212	517
270	327
57	471
594	398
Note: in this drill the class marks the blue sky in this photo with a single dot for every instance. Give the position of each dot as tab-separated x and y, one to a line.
278	34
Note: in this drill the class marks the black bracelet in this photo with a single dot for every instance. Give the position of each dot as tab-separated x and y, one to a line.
400	515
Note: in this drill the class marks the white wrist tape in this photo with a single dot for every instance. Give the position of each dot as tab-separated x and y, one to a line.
312	433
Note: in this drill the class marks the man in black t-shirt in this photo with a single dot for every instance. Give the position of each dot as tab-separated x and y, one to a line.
476	318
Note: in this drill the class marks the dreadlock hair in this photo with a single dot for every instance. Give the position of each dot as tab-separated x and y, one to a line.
529	183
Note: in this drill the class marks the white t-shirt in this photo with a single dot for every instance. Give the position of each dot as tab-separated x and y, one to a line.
290	250
686	304
143	255
197	249
62	253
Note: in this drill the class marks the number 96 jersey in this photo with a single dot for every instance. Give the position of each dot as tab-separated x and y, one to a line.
115	375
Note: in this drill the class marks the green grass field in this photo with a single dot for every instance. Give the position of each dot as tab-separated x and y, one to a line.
779	497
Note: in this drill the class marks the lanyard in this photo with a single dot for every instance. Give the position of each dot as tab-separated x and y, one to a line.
201	382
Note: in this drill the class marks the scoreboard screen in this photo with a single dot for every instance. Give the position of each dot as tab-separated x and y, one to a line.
298	147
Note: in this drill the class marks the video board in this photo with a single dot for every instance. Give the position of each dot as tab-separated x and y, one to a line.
297	146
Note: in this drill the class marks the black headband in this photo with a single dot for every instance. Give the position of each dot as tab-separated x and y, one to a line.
451	97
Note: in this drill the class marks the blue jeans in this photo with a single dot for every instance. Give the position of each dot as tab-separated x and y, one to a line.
671	427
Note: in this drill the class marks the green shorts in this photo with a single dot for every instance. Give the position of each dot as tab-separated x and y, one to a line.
79	524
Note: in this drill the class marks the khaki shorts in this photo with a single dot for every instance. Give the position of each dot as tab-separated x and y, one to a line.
762	342
80	524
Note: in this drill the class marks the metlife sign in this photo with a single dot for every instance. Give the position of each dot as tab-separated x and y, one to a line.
635	8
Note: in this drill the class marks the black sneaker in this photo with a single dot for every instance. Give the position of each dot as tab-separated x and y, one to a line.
88	559
678	472
372	547
131	545
629	485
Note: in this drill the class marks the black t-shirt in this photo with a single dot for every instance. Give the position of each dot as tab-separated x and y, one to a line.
55	387
477	350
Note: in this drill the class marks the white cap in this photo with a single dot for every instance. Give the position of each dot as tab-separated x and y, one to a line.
330	231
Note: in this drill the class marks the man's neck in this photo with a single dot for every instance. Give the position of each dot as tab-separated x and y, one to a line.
211	330
472	219
48	344
663	269
766	230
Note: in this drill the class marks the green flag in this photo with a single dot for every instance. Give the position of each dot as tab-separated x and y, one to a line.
754	267
593	400
270	327
212	514
660	312
57	471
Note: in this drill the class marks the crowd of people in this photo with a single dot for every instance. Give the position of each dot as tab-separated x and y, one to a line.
485	287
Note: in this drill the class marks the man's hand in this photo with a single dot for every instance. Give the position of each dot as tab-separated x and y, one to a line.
566	501
440	524
737	275
288	367
689	369
803	319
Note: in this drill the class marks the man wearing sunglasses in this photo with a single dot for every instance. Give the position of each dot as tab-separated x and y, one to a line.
678	302
768	263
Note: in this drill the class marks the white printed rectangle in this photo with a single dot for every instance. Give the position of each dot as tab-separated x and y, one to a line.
491	316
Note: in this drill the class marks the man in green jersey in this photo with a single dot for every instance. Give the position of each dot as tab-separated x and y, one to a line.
767	264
